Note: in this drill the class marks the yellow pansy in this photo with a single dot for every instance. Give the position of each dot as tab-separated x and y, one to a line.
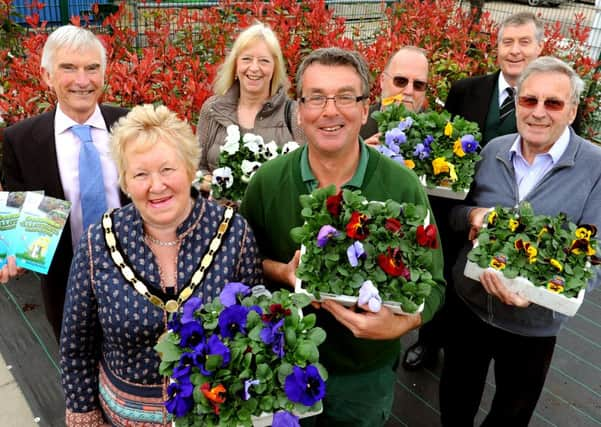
440	165
458	149
542	232
392	99
556	264
583	233
492	217
498	262
513	224
556	285
452	173
410	164
448	129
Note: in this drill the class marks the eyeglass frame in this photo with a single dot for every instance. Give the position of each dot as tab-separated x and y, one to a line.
304	99
550	104
397	82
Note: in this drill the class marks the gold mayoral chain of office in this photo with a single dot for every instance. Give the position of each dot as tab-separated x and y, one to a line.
169	305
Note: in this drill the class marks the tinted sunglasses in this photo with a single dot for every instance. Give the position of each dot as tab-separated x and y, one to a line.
549	103
401	82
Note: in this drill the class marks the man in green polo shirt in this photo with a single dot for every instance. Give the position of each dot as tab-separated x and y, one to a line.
362	349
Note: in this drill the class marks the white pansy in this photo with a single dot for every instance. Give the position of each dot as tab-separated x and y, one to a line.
253	142
249	168
230	147
233	134
223	177
289	146
270	150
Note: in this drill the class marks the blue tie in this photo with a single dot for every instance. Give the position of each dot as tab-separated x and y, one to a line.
91	183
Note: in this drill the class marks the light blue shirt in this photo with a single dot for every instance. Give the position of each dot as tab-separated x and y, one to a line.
528	175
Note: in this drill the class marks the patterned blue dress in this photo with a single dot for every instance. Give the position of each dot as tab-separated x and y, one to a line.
108	364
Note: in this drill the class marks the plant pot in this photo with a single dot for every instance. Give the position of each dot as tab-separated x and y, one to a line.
441	191
536	294
266	419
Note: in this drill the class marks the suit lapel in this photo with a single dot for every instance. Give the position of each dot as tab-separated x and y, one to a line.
482	97
45	155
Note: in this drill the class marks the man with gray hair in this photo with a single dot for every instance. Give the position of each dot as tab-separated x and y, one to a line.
405	80
65	152
552	168
361	350
489	101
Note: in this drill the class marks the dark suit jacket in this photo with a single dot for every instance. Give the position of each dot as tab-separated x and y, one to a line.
470	97
29	163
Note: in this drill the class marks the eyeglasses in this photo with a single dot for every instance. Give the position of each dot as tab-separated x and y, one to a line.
341	101
550	104
401	82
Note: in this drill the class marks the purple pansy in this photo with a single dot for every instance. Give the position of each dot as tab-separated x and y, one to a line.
390	153
422	151
190	307
231	291
174	323
406	123
428	140
247	385
325	234
368	294
354	252
191	334
184	367
469	143
305	386
213	347
180	400
395	136
273	334
233	319
285	419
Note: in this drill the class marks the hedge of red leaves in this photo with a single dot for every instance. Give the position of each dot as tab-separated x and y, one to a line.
185	46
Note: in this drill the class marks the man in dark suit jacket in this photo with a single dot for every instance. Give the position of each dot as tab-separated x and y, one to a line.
41	153
479	99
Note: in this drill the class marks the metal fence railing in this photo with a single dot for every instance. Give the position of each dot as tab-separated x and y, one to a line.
363	17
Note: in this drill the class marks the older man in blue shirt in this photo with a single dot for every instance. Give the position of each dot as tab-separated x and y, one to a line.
555	170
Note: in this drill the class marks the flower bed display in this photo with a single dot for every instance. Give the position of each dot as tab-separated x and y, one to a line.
441	151
241	156
545	259
365	252
248	358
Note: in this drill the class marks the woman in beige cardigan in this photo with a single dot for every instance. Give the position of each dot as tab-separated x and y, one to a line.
251	92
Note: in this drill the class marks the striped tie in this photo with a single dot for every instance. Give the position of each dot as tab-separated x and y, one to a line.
508	105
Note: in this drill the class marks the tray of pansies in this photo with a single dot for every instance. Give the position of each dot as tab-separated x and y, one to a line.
248	358
370	253
240	157
546	259
441	151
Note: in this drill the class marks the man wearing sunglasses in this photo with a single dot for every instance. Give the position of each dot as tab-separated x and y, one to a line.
552	168
404	79
489	101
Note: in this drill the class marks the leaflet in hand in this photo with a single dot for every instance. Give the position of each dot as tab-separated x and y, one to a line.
39	227
10	209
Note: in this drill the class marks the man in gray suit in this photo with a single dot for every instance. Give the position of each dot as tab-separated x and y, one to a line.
42	152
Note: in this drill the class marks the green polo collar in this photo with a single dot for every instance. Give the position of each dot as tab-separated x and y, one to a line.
355	182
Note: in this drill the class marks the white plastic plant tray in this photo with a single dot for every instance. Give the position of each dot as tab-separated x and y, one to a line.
445	192
536	294
348	300
266	419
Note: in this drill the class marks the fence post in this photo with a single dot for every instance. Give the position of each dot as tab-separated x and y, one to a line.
64	10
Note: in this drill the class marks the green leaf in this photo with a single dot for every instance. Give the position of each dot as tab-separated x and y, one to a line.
168	351
317	336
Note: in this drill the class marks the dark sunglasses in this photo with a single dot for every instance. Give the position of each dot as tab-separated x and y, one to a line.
549	103
401	82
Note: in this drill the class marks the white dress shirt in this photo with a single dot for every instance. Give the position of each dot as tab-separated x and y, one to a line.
67	155
503	85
